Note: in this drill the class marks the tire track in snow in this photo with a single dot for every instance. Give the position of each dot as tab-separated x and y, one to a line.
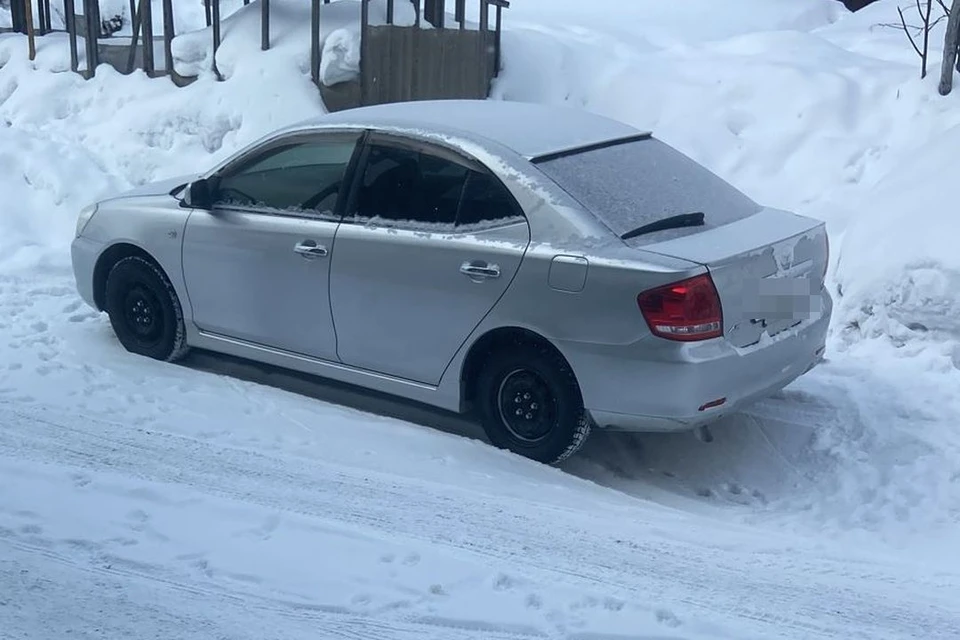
816	597
335	623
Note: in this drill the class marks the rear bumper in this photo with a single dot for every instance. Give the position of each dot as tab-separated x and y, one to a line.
653	386
84	253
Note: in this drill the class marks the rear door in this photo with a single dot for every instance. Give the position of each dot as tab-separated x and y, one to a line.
256	266
428	245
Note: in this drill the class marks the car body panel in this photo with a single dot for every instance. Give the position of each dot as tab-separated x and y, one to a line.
518	126
573	281
152	223
767	268
246	281
403	306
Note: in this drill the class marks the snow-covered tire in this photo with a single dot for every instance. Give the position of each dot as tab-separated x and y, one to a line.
529	402
144	310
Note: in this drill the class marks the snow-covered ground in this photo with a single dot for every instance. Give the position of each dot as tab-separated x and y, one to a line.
210	500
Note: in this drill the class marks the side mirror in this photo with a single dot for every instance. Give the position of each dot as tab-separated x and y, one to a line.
198	195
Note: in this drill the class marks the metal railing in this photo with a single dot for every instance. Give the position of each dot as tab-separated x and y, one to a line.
479	47
479	51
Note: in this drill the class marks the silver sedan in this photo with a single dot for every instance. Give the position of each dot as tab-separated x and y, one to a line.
546	270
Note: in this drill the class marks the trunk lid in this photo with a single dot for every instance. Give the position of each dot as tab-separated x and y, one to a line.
768	269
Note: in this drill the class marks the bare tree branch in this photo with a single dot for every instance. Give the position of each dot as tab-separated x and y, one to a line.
906	30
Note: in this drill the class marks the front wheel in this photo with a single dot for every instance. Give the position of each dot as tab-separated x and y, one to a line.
144	310
530	403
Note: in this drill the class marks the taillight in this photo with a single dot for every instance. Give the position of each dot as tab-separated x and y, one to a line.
687	311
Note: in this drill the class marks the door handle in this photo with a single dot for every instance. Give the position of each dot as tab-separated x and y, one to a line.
310	249
478	271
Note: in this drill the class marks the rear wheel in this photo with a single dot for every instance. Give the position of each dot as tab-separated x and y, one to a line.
530	403
144	310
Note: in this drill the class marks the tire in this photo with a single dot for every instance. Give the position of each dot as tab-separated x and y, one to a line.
144	310
529	403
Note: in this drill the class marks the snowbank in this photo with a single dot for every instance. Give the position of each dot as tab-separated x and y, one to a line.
86	139
816	114
290	26
899	261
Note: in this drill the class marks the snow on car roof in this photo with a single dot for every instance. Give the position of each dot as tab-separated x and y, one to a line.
528	129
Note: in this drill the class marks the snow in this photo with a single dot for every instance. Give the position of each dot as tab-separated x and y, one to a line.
224	499
290	26
340	59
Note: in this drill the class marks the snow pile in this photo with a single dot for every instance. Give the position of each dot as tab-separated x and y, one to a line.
899	266
290	26
69	142
5	18
340	60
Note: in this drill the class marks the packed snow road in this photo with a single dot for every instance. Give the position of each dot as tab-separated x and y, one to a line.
217	504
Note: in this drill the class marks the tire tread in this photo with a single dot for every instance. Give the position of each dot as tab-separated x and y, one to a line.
180	347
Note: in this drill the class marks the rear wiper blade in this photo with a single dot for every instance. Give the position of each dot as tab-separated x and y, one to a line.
695	219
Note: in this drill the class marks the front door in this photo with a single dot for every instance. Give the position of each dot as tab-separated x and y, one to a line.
257	265
430	244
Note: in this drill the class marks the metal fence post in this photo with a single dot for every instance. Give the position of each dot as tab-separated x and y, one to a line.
168	33
146	19
215	17
71	19
264	25
364	49
315	41
91	16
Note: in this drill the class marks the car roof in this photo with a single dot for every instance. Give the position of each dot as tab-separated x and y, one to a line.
529	129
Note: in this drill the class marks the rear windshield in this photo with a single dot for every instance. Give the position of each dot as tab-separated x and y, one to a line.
635	183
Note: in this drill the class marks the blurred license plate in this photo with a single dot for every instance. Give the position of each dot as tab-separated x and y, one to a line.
781	299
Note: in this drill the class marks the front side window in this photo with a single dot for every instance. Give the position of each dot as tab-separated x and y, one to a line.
303	177
406	185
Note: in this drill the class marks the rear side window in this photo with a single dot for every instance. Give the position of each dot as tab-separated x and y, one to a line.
415	188
485	200
635	183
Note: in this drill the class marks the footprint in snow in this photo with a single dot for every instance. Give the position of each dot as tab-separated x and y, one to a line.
503	582
82	317
80	480
361	600
668	618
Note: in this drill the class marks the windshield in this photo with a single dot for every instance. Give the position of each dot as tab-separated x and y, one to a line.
635	183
